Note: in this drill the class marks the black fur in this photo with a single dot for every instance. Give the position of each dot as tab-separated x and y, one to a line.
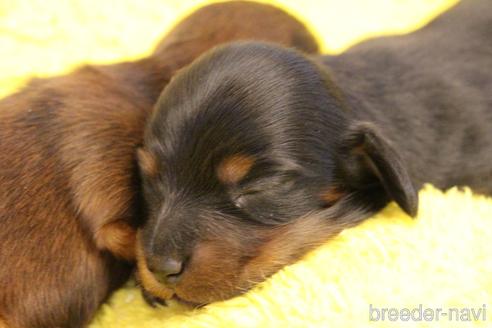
373	124
430	93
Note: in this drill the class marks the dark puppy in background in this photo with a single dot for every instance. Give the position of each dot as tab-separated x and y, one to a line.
68	175
255	153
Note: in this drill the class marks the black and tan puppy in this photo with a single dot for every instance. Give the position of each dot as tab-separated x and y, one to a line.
255	153
68	177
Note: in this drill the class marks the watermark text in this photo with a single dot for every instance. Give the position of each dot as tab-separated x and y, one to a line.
421	313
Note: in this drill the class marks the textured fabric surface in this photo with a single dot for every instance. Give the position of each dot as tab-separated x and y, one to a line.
47	37
443	259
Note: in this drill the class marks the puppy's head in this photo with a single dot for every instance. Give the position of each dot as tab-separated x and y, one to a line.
250	160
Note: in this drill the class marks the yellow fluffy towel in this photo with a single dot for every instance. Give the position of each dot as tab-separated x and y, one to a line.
433	271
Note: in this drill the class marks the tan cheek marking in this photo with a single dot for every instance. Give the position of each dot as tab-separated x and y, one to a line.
288	244
147	162
147	279
204	252
234	168
213	272
118	238
332	195
283	242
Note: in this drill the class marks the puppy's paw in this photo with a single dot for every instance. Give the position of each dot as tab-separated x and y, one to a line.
118	238
152	300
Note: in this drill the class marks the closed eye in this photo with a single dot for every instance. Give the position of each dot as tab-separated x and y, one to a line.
240	200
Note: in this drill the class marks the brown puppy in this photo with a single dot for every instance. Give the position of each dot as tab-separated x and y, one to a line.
68	181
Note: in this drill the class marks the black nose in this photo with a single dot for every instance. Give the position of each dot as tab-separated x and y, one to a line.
167	270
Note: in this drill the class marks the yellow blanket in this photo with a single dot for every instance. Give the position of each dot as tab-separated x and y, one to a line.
432	271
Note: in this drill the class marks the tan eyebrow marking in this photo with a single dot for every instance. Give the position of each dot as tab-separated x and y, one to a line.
234	168
332	195
147	162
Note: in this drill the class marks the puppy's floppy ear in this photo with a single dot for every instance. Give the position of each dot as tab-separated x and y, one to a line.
367	159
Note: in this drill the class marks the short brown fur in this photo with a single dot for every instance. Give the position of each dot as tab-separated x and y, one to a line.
118	238
68	178
3	324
